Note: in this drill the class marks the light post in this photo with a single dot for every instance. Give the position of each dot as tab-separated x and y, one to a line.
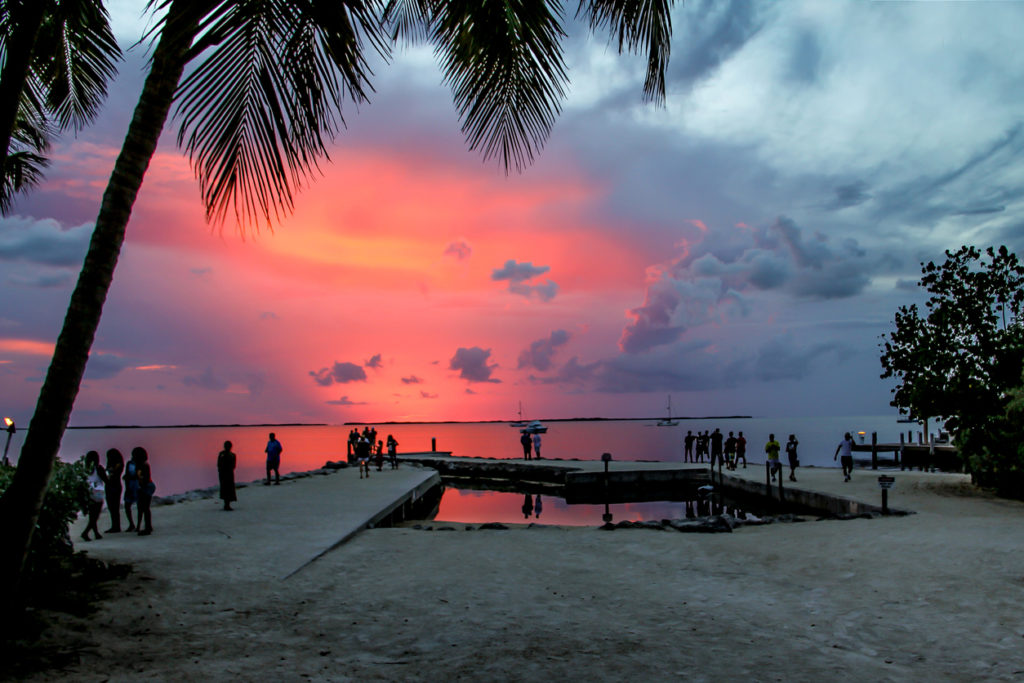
11	429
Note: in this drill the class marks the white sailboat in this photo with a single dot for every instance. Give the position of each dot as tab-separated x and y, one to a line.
518	424
668	421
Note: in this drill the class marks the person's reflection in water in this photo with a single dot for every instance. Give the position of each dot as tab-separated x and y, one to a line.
538	507
527	506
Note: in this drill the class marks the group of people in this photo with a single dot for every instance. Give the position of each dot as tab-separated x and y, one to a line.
105	486
531	445
772	462
365	447
723	451
227	459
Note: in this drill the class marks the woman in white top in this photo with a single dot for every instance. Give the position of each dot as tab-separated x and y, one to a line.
96	479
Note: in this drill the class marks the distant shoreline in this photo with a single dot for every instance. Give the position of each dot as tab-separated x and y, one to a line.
412	422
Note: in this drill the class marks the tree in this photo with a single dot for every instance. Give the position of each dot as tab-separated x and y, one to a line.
960	361
254	125
58	56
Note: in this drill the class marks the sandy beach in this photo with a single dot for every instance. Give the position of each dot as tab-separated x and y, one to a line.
933	595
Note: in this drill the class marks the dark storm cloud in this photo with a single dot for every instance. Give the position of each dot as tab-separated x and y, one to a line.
43	241
472	364
206	380
375	361
541	351
339	373
345	401
851	195
460	250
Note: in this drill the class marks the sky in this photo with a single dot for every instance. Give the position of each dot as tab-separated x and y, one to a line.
742	248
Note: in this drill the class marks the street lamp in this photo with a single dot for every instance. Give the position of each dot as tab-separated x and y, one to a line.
9	426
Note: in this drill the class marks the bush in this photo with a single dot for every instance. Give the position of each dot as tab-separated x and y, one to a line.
51	542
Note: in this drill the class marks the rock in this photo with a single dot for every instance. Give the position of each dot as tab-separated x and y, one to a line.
335	465
493	525
705	525
446	528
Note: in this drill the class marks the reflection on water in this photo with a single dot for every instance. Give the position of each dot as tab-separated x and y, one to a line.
185	458
472	506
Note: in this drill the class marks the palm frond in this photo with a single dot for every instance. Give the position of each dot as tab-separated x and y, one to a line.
76	54
257	110
409	21
638	24
503	61
30	141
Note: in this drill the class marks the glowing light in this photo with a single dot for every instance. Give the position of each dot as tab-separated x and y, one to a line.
8	422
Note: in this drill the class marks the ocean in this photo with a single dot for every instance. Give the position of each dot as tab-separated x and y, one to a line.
184	458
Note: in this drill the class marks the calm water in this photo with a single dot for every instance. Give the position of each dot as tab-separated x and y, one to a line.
185	459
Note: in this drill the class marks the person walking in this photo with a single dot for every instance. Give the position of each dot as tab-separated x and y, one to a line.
115	468
226	475
527	443
273	451
794	461
772	448
845	450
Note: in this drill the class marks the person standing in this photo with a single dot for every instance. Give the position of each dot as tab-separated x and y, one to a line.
146	490
131	488
716	448
96	478
845	449
363	456
226	475
527	443
273	451
772	448
794	461
393	452
688	446
741	450
115	468
536	446
730	452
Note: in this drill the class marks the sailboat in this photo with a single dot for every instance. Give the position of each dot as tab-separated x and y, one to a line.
518	424
668	421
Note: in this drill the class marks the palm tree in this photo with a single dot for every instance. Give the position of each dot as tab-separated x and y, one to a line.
58	56
255	125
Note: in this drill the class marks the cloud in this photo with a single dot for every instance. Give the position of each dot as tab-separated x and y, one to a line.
851	195
44	241
374	361
427	394
460	250
44	280
412	379
268	315
517	275
540	352
346	401
472	364
339	373
201	272
206	380
105	365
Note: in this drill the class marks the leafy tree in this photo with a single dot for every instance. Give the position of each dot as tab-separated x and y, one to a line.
959	361
58	56
263	96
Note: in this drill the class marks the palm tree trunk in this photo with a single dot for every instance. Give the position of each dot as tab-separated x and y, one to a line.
21	503
20	48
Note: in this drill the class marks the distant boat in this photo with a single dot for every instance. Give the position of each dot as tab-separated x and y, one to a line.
535	427
668	421
518	424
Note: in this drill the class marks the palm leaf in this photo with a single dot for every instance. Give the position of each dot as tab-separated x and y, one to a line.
75	58
637	24
503	61
257	110
409	21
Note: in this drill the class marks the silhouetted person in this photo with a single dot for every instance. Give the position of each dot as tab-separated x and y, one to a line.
794	461
536	446
730	452
131	488
363	456
146	490
273	451
716	447
538	507
772	449
688	446
96	478
115	468
741	450
393	452
226	475
527	444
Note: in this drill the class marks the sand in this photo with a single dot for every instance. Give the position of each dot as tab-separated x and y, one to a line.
935	595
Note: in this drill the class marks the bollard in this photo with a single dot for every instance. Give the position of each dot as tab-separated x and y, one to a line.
874	450
885	501
433	444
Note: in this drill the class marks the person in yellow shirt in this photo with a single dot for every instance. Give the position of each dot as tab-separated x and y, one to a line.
772	448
